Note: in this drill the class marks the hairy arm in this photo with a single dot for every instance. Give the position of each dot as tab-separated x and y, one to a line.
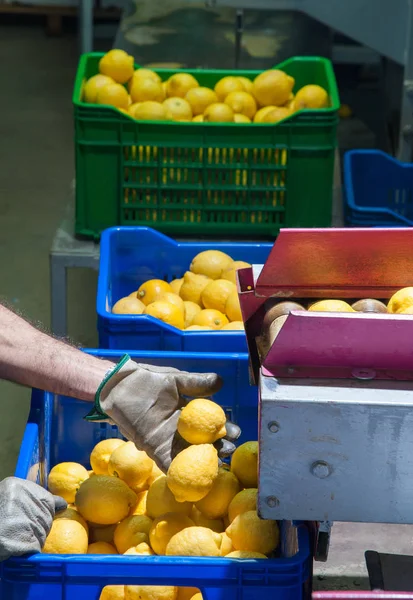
32	358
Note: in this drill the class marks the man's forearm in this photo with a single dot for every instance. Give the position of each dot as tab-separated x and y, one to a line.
32	358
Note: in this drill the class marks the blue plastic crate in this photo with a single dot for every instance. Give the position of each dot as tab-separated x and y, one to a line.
378	190
129	256
57	432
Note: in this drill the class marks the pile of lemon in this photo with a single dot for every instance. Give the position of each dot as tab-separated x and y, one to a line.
142	94
126	505
204	299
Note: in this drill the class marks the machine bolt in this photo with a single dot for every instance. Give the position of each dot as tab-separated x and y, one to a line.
321	469
290	370
273	426
272	501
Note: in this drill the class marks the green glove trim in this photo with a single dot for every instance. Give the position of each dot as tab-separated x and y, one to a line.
97	414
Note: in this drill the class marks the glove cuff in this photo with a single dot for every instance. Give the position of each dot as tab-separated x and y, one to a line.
97	413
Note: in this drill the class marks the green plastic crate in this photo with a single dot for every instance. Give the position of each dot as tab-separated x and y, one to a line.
206	178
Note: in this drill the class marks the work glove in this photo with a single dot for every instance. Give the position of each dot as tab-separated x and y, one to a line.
144	401
26	515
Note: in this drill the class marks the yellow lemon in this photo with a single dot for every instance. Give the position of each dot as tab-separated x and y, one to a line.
65	479
277	114
141	74
178	109
242	103
101	548
233	307
113	94
150	592
211	263
113	592
193	286
197	119
219	112
150	111
151	290
406	311
173	299
226	85
186	593
248	532
73	515
104	500
165	527
197	596
210	317
262	112
193	472
131	465
330	306
246	84
140	506
180	84
198	328
311	96
118	65
132	107
234	326
131	532
230	273
102	533
142	549
200	98
199	519
216	293
190	310
273	87
226	544
401	300
99	458
176	285
215	504
66	537
241	119
160	500
242	502
93	85
166	312
202	422
290	102
244	465
156	472
146	89
245	554
194	541
128	306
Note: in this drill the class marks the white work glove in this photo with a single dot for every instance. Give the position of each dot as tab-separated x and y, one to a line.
144	401
26	515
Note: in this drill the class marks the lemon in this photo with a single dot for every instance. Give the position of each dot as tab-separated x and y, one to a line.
93	85
150	592
113	592
233	307
202	422
128	306
246	84
401	300
219	112
241	119
176	285
199	519
150	110
142	549
160	500
132	107
330	306
193	472
66	537
215	504
190	310
193	286
311	96
101	548
165	527
245	554
186	593
277	114
156	472
173	299
131	465
242	103
118	65
290	102
262	112
131	532
200	98
273	87
244	465
216	293
210	318
211	263
194	541
226	85
406	311
198	119
230	274
180	84
248	532
104	500
99	458
151	290
113	94
73	515
178	109
140	506
99	533
226	544
65	478
198	328
234	326
197	596
244	501
146	89
140	74
166	312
